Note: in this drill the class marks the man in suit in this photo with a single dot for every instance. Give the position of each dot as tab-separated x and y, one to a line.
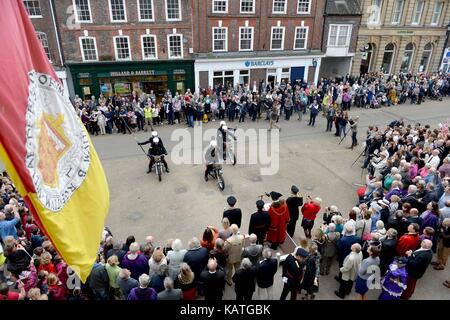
253	251
213	279
265	272
292	273
344	246
233	214
196	257
259	222
293	202
233	245
416	266
387	253
169	293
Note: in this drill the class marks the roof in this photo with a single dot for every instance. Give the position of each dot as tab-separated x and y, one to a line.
343	7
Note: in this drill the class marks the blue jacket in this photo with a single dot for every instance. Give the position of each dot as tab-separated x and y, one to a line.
8	228
344	247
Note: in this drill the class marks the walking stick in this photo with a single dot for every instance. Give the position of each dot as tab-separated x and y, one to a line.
357	158
345	134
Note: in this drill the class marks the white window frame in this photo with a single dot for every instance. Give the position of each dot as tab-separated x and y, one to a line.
142	46
226	39
48	46
247	12
168	45
349	35
282	39
400	13
302	12
378	21
139	12
124	11
35	16
434	12
253	35
226	7
279	12
116	51
80	40
76	13
415	23
306	38
167	11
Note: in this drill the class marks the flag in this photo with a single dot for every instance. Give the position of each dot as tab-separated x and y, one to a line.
45	147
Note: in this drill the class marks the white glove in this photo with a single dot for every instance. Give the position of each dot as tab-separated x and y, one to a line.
285	280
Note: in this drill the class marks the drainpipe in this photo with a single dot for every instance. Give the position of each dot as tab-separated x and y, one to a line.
57	34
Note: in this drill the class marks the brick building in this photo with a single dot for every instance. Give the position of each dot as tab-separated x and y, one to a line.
42	16
249	41
340	33
401	35
117	46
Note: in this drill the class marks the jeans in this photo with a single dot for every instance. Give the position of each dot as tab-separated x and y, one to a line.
312	120
190	119
342	131
329	123
354	141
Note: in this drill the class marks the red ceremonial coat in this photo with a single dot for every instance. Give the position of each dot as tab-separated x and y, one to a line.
279	217
407	242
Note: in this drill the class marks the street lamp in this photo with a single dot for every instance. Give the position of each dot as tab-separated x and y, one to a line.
314	63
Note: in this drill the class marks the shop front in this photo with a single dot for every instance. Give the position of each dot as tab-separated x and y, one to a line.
111	78
273	70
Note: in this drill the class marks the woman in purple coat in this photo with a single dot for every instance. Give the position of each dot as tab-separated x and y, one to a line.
394	282
135	262
143	292
430	217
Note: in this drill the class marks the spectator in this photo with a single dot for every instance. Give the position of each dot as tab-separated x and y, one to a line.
349	271
143	292
175	258
213	279
244	280
409	241
365	271
443	248
233	245
135	262
196	257
265	272
253	251
126	283
186	282
169	292
113	270
225	233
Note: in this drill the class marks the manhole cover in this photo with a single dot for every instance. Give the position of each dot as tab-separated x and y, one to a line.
135	216
180	190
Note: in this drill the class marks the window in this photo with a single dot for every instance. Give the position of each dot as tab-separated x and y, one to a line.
82	10
243	77
407	58
223	78
148	43
388	56
277	37
417	13
339	35
375	12
301	38
426	57
88	48
303	6
122	47
44	41
245	38
247	6
220	6
436	13
173	10
175	42
397	11
33	9
145	9
279	6
117	11
220	42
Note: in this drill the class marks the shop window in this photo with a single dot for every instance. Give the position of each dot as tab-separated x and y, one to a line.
173	10
122	87
223	77
245	38
388	56
303	6
88	48
117	11
285	75
145	9
407	58
33	8
82	10
244	77
44	41
220	6
277	38
122	47
279	6
247	6
426	57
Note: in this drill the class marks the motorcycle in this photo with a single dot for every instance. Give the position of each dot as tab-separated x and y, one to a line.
158	167
217	173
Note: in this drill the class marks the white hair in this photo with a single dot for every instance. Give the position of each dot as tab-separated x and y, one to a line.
246	264
144	280
168	283
177	245
134	247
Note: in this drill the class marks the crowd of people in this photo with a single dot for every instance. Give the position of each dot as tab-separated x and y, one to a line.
141	111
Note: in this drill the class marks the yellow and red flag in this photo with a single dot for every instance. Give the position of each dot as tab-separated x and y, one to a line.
45	147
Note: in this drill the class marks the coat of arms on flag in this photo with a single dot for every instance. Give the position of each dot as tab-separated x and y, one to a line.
58	150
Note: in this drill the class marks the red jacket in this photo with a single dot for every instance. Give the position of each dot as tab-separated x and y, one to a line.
407	242
310	210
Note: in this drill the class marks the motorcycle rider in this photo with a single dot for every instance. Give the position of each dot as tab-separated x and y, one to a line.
156	149
222	136
211	157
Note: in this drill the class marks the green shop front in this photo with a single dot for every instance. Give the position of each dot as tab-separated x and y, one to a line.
125	77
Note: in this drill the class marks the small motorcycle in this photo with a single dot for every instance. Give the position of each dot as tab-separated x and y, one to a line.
217	173
158	167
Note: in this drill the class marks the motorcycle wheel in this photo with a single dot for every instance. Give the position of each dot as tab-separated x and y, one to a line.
159	172
220	181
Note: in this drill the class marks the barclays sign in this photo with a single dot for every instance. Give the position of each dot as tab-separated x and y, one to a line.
259	63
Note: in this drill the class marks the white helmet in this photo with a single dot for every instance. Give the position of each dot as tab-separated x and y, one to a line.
156	140
213	143
154	134
222	123
225	128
